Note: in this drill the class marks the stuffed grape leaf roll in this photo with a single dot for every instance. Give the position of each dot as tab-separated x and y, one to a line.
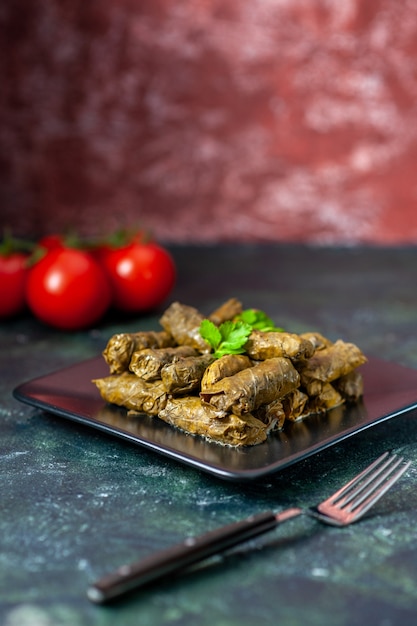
183	323
254	386
318	340
328	399
330	363
185	375
272	415
223	367
133	393
271	377
148	363
189	414
227	311
294	405
267	345
350	386
121	346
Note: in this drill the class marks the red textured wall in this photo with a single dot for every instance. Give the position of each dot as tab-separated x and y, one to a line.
209	120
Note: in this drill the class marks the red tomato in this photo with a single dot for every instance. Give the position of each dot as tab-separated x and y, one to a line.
68	289
141	275
13	272
50	242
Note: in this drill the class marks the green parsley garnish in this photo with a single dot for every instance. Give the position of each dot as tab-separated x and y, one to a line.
258	320
228	338
231	336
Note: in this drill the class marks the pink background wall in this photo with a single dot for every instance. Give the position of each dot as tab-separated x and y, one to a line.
211	120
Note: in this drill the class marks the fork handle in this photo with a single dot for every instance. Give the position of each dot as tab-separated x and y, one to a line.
177	558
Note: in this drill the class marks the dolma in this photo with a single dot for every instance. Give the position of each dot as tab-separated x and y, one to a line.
130	392
184	375
183	323
326	400
252	387
189	414
272	415
267	345
317	339
227	311
313	387
236	399
294	405
226	365
331	363
350	386
121	346
148	363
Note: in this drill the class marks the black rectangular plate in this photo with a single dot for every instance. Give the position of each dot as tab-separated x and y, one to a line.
390	390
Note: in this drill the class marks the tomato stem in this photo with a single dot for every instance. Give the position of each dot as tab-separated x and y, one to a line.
11	244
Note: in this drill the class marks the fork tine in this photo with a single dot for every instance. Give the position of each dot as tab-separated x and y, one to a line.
371	484
346	489
360	509
368	480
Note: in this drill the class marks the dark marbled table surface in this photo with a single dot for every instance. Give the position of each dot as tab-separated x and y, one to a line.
76	503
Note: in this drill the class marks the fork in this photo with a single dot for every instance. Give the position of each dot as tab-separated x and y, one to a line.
344	507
